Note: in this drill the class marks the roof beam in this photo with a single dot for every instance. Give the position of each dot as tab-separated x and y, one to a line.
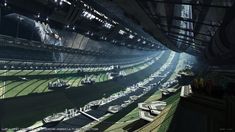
185	29
187	40
188	3
132	7
186	20
188	36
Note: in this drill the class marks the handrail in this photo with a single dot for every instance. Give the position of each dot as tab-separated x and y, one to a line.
24	43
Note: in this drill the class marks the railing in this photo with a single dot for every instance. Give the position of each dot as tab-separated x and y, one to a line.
14	64
24	43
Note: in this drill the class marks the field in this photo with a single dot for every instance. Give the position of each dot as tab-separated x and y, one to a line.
23	111
128	118
23	82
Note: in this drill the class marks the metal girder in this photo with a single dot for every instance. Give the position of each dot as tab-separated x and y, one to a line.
185	29
188	36
188	40
135	8
188	3
185	42
186	20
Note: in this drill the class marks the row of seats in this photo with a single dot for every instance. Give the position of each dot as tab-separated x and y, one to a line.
44	65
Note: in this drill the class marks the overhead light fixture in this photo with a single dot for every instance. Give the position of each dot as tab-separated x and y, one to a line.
131	36
88	15
121	32
61	3
38	16
5	3
107	25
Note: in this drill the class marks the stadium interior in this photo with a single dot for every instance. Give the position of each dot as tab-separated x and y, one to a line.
117	65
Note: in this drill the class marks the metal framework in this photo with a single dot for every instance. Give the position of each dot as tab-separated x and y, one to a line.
187	20
186	40
172	30
186	43
185	29
187	36
190	3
